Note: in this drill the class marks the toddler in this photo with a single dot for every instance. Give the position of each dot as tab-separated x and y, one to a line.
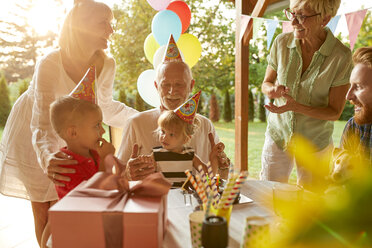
79	123
175	129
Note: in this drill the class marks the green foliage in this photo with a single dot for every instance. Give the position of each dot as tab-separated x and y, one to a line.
250	106
4	101
227	112
23	45
132	25
261	108
23	86
348	112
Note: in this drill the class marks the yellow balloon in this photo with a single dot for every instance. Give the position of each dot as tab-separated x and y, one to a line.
190	47
150	46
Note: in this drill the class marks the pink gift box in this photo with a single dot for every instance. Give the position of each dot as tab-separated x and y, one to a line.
129	221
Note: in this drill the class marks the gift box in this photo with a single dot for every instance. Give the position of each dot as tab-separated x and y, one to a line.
90	217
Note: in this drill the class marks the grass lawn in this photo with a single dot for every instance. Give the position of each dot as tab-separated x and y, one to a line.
256	136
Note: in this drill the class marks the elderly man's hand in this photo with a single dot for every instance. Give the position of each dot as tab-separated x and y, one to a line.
218	157
139	167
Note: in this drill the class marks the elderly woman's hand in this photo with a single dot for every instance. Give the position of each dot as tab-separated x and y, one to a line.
277	91
139	167
290	105
55	169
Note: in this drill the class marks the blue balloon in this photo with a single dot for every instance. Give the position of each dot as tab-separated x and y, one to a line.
164	23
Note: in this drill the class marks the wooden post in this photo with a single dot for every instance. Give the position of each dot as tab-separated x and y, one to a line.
242	78
241	91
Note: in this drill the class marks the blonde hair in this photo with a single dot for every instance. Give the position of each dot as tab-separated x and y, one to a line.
169	120
324	7
67	111
363	55
69	37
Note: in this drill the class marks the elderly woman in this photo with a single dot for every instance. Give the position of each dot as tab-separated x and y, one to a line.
307	77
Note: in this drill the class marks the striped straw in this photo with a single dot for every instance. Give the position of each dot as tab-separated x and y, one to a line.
204	179
235	190
201	192
208	207
191	179
227	190
210	172
214	192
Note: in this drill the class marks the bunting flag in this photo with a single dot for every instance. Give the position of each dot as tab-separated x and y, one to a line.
271	26
244	20
332	24
354	22
257	22
287	27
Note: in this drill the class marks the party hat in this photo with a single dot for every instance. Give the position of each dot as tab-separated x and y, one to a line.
172	54
188	110
85	89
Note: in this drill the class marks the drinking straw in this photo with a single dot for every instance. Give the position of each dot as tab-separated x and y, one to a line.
191	179
202	195
227	190
204	179
236	188
208	207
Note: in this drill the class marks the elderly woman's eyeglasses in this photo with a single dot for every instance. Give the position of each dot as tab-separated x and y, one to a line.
300	18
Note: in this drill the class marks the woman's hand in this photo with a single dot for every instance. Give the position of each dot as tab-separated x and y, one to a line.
290	105
55	169
139	167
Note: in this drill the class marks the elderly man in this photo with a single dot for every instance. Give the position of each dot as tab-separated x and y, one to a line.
360	94
174	84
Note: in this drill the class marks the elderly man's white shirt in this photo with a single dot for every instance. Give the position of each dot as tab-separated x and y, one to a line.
141	130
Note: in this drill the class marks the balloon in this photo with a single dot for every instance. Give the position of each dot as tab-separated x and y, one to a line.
150	46
164	23
183	12
190	46
159	56
158	4
146	88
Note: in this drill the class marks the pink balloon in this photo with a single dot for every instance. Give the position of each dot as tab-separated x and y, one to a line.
159	4
183	12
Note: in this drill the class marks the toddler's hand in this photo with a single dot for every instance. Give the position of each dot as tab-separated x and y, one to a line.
105	148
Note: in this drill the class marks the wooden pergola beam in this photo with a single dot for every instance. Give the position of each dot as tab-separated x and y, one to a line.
243	7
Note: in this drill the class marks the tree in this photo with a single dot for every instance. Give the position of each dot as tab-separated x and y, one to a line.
250	106
214	111
227	114
215	31
4	101
21	45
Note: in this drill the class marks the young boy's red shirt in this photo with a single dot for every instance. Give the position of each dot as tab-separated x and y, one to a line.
85	169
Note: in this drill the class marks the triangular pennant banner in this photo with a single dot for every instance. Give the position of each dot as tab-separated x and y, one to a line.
270	27
244	20
332	24
354	22
257	22
287	27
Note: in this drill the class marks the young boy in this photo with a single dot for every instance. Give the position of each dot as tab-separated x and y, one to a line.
79	123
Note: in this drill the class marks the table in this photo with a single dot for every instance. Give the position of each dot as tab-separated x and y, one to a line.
178	229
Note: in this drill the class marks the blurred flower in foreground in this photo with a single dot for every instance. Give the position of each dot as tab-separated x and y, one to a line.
341	217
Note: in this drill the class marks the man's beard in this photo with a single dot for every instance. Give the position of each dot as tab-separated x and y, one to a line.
364	116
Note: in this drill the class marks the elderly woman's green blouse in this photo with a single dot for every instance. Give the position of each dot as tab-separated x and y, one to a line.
330	66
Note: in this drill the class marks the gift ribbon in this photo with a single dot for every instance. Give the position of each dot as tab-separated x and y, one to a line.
108	185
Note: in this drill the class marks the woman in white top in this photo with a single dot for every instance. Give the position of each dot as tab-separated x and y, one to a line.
23	172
